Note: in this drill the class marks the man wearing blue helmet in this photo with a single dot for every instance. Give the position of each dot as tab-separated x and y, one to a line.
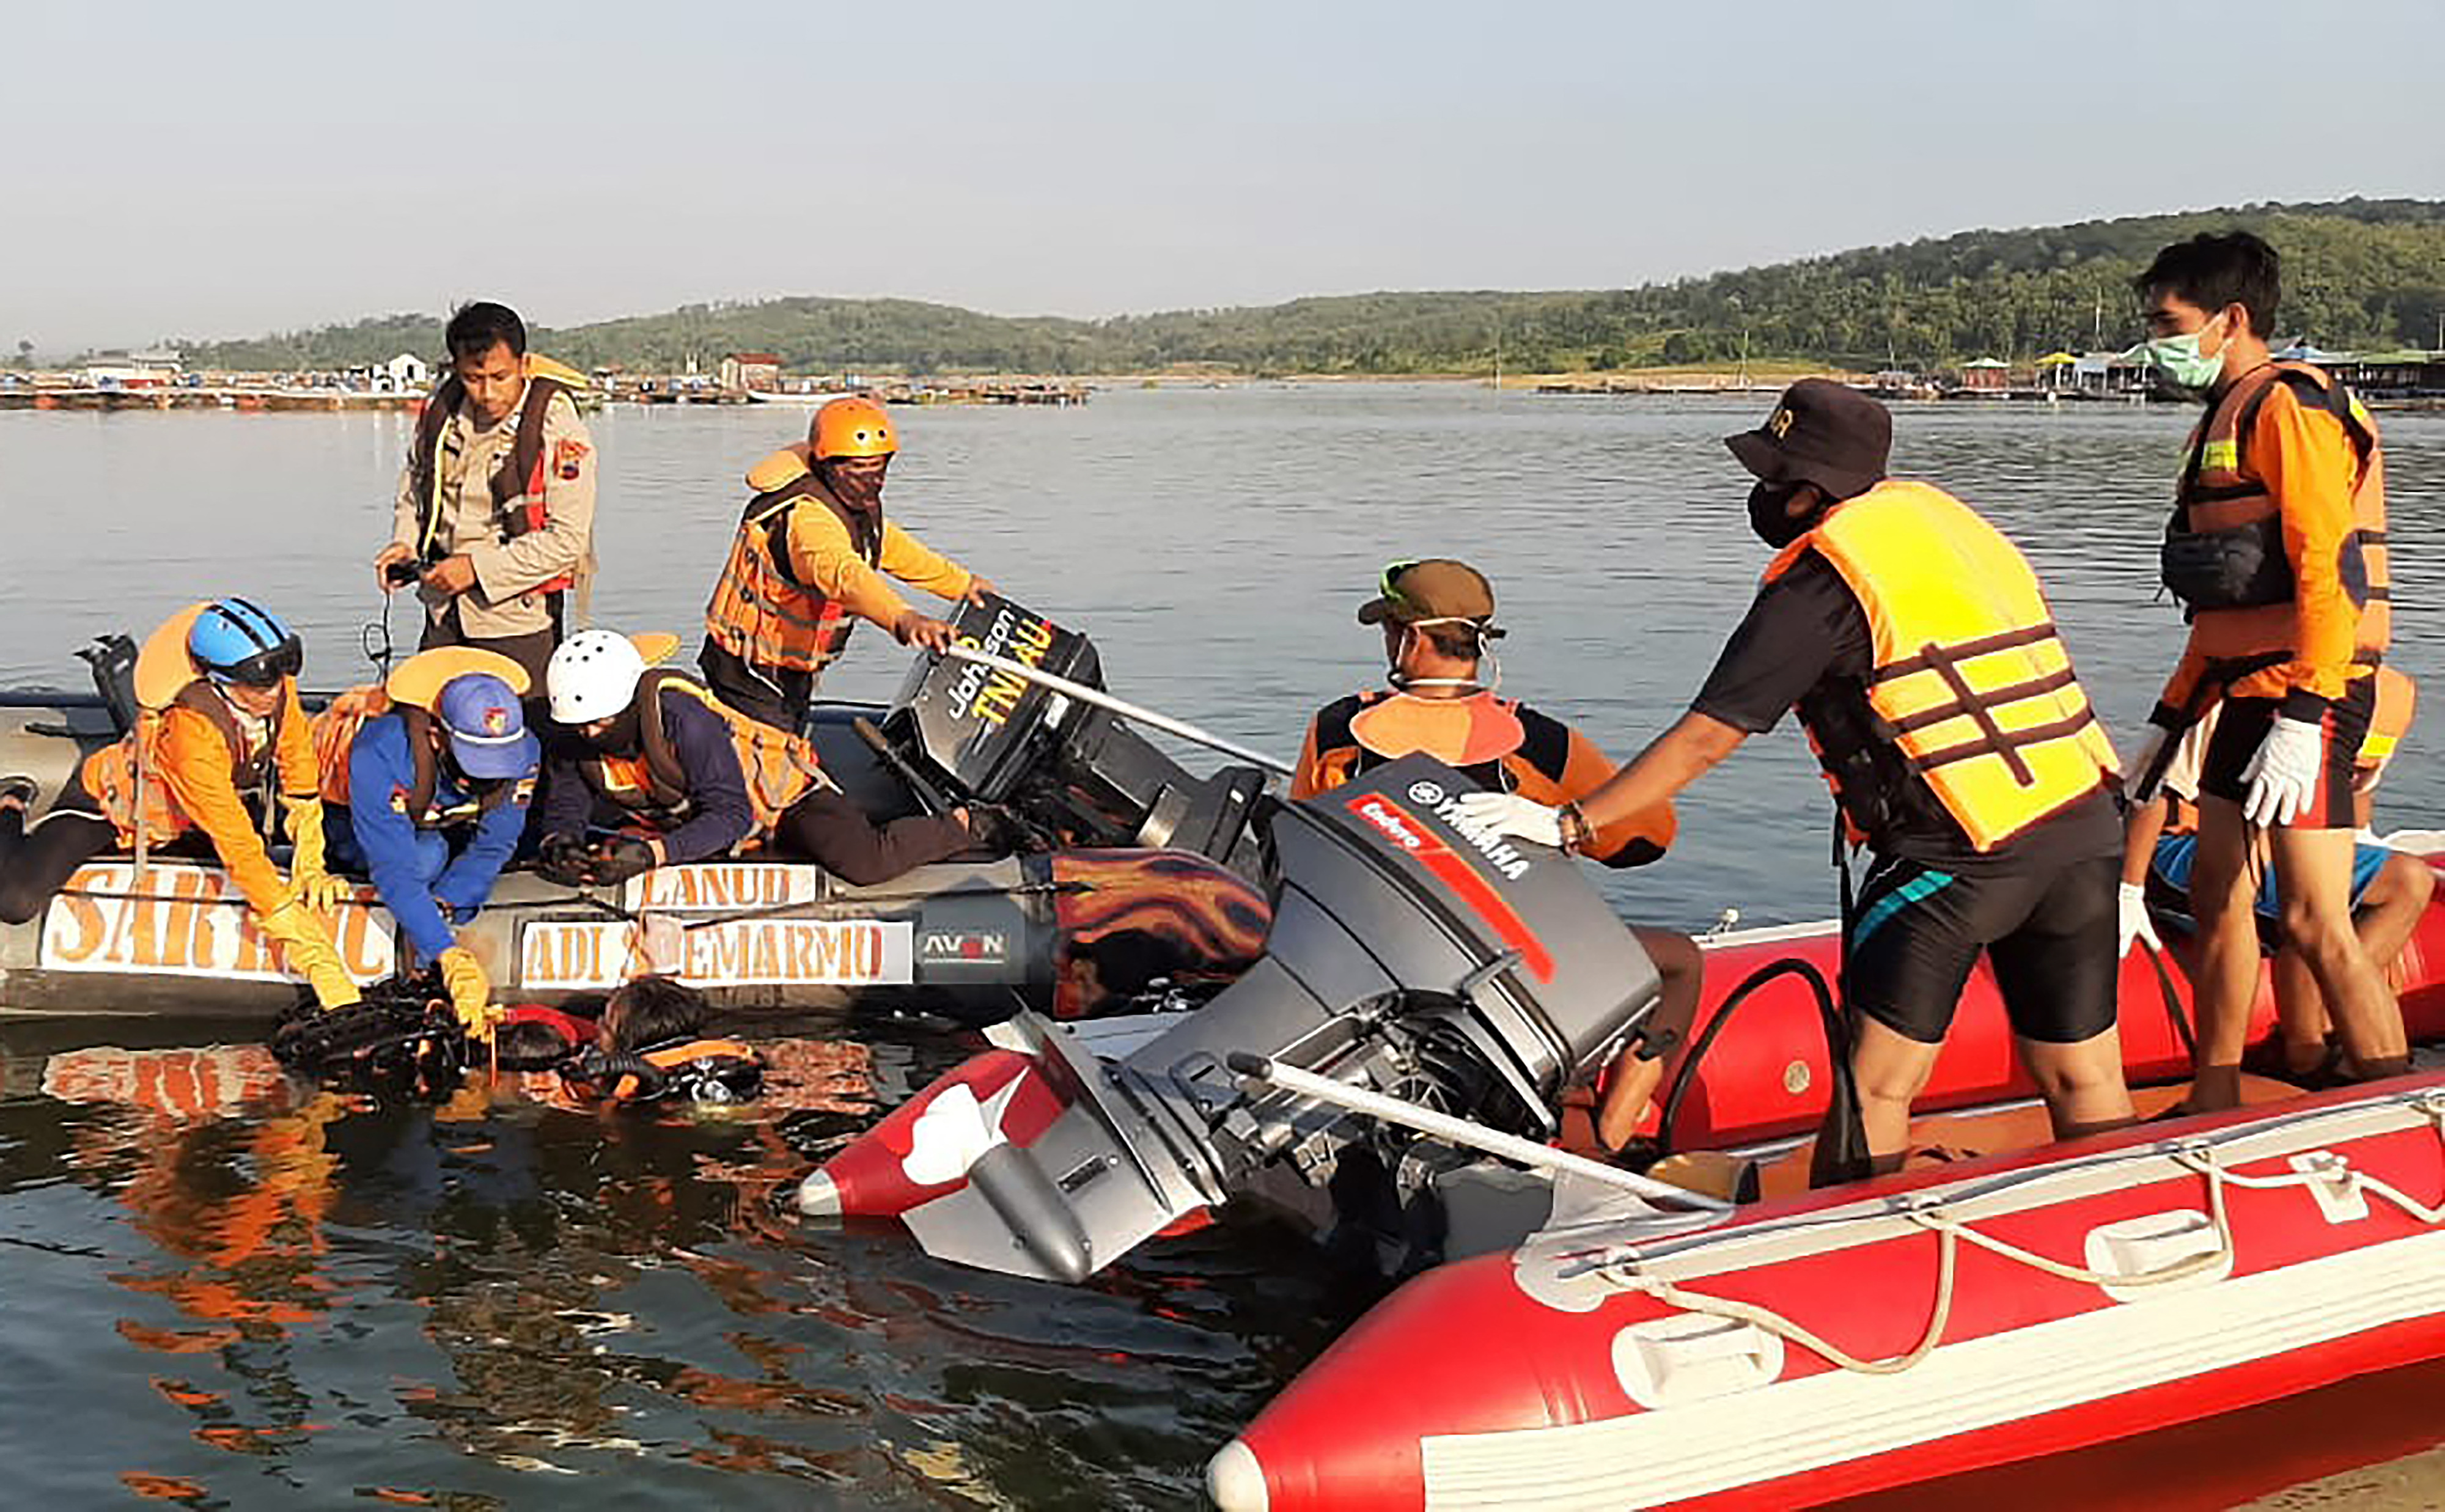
220	738
428	779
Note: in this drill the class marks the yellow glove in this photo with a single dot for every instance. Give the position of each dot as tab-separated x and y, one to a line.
470	991
308	950
307	882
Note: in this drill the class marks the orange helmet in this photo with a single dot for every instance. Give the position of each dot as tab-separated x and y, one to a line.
853	427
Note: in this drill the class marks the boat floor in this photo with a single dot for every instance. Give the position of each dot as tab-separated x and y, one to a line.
1943	1139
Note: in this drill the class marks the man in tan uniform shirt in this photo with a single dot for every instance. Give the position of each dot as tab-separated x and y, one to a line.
499	529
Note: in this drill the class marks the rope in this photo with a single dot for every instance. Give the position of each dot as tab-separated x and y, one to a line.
1951	1233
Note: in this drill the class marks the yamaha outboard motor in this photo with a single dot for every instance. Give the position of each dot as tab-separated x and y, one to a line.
1076	770
1409	955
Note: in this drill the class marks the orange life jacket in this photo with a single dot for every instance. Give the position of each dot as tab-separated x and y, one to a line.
2224	551
335	732
1969	679
109	773
518	484
1472	734
780	768
760	612
697	1068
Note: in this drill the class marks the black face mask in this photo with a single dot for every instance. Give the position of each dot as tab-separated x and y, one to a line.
1770	514
626	736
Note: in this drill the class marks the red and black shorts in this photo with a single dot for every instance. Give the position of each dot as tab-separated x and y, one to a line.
2242	728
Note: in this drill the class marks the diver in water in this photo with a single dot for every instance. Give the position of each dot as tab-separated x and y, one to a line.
650	1045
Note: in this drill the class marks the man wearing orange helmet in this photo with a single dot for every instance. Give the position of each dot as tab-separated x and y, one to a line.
813	555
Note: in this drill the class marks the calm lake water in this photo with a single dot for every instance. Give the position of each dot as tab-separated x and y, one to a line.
504	1304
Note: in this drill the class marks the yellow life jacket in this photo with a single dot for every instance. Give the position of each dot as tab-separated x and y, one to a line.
1969	679
779	768
760	612
2224	553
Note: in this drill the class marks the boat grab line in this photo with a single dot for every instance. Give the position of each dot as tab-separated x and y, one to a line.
2334	1171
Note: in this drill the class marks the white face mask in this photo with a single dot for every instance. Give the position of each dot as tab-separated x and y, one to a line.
2183	364
1486	663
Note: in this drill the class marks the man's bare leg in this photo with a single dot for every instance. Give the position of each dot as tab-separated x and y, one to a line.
2082	1083
1890	1071
2313	875
2389	911
2222	890
1632	1083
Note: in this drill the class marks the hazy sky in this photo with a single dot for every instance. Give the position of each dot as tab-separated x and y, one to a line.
232	167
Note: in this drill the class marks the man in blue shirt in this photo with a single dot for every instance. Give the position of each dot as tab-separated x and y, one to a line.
440	769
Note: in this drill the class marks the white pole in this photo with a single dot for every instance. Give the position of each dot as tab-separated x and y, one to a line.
1464	1131
1126	710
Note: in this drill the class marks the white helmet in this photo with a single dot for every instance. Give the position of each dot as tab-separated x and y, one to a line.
593	676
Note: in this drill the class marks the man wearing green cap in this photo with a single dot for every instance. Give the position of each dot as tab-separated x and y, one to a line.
1439	632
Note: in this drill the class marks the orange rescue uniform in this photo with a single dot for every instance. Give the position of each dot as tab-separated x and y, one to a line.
1500	742
2287	462
797	573
200	760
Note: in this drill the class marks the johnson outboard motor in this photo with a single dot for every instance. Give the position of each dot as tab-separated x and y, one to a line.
979	733
1408	956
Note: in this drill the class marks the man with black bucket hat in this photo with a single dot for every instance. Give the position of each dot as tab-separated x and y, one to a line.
1917	648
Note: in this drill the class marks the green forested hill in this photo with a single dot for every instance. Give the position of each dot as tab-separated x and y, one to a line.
2359	274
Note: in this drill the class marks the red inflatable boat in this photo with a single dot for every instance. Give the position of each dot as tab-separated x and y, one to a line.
1890	1332
1619	1339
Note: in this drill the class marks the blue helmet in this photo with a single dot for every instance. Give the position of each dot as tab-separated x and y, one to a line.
234	640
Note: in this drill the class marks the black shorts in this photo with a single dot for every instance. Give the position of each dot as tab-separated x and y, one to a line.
2243	726
2051	932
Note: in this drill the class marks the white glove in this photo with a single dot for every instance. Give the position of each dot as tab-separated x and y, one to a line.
2136	776
2131	920
1509	813
2283	776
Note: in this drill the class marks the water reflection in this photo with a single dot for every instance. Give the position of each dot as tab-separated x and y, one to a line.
465	1305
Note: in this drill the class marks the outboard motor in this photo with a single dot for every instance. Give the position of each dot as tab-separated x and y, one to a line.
1408	956
1076	770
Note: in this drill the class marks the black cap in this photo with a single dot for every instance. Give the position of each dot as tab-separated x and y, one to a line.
1821	433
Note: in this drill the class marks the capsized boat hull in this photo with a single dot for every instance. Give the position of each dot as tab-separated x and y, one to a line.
2160	1275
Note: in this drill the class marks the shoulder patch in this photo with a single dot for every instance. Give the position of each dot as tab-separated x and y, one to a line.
398	798
567	456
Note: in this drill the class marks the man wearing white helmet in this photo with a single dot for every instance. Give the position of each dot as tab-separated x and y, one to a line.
695	778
